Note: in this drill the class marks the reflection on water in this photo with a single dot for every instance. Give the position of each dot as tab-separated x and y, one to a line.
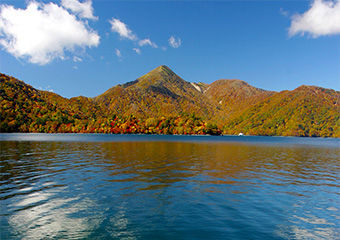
42	216
169	190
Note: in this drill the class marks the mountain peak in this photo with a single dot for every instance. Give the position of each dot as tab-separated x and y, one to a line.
163	70
161	73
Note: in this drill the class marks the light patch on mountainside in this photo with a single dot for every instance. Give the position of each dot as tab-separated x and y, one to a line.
196	86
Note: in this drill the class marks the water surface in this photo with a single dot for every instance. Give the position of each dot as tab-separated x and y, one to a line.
94	186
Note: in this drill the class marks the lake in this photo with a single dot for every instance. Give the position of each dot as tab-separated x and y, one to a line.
94	186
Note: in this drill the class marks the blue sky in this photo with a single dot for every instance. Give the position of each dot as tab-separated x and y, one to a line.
85	47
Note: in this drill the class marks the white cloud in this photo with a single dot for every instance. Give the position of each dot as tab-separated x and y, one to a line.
147	41
137	50
48	88
118	53
175	43
77	59
122	29
124	32
43	32
283	12
323	18
85	9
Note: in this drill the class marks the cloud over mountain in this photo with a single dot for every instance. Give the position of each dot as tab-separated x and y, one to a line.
84	9
175	43
146	42
137	50
118	53
124	31
44	32
323	18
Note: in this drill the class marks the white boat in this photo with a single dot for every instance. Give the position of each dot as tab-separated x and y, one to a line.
240	134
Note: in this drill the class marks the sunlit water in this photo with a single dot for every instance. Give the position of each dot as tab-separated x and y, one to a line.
92	186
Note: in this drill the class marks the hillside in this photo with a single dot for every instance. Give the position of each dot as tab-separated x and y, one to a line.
162	102
158	93
306	111
234	95
26	109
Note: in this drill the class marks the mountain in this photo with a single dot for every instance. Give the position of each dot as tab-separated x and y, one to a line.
233	95
162	102
306	111
24	108
158	93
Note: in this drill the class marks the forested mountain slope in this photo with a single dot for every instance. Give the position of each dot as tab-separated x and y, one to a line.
158	93
234	95
26	109
306	111
162	102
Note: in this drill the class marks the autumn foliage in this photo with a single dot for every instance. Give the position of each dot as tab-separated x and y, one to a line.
160	102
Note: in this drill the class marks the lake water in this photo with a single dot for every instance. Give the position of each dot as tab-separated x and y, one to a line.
93	186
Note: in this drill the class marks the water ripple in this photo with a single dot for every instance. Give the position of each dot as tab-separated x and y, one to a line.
168	190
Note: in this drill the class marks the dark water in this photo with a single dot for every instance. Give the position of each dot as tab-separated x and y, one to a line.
68	186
